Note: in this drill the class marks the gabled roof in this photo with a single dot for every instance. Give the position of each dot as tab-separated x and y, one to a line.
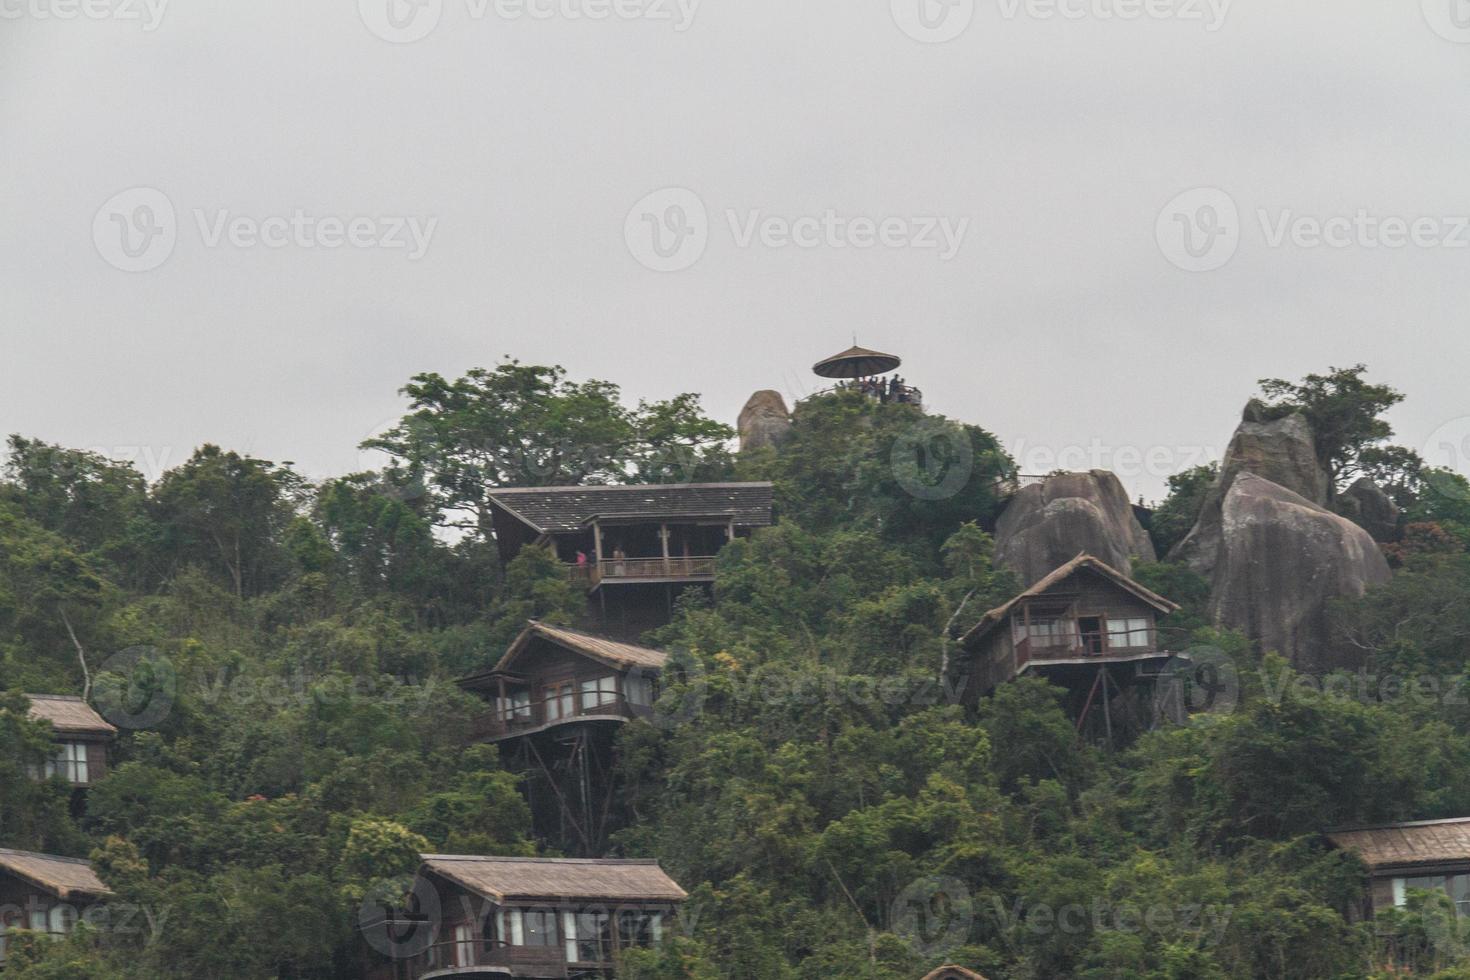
1402	844
597	879
996	616
953	973
558	510
62	877
68	715
624	656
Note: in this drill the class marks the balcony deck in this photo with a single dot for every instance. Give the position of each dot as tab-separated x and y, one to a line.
533	718
595	574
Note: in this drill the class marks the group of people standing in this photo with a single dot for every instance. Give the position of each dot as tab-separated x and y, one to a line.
891	390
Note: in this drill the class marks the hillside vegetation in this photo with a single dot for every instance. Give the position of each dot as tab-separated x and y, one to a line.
284	654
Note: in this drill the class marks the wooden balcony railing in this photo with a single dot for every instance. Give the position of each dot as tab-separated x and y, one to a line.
1079	645
498	724
595	573
446	959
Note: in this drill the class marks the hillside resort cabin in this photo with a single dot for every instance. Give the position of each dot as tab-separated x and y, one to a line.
633	548
552	676
81	736
498	917
45	894
1433	855
557	697
1086	626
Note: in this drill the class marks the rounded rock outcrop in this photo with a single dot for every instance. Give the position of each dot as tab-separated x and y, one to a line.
1049	523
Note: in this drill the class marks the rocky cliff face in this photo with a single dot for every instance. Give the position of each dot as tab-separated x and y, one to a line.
1048	524
1283	451
1366	505
1281	559
764	421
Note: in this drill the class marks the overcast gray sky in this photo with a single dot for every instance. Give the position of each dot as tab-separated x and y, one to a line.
1128	188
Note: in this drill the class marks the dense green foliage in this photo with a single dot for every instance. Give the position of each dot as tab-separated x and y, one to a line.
814	778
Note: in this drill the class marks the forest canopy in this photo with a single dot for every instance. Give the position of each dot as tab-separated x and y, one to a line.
287	651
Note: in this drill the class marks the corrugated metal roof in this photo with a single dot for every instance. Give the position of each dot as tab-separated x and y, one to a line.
60	876
624	655
993	618
556	510
69	715
1417	842
598	879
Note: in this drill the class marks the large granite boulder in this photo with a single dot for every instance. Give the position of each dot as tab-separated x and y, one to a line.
1281	450
764	421
1047	524
1282	559
1366	505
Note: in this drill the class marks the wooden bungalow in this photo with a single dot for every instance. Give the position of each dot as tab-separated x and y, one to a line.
44	893
1086	626
557	698
485	917
1433	855
553	676
81	736
631	547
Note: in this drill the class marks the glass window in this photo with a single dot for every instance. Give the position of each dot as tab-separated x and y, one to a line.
1051	633
61	919
464	945
70	763
635	928
569	935
559	702
540	927
38	919
1456	886
603	690
639	690
512	928
594	937
1128	633
517	705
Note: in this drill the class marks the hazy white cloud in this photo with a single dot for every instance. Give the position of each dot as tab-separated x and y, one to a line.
360	191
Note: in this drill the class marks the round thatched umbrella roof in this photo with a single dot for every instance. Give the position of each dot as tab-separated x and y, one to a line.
858	362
